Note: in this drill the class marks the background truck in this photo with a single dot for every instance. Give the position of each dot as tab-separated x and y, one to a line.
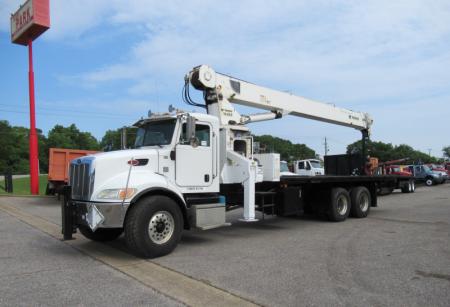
188	169
58	167
424	174
308	167
284	169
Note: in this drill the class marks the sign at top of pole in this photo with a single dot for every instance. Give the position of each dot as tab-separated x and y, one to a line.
29	21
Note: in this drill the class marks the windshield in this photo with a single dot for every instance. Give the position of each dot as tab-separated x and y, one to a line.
315	164
155	133
284	167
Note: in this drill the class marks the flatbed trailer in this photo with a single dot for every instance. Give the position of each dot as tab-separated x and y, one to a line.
294	195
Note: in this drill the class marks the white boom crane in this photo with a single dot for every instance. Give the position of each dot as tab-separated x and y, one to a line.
225	90
221	91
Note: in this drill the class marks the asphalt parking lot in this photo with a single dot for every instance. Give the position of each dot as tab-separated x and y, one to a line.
398	256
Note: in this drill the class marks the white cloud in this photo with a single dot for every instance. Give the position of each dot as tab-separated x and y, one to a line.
365	55
353	51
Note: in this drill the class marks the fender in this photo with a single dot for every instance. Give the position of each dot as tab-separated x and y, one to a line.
167	192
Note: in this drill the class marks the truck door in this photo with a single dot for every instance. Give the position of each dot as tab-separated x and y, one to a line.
418	172
301	168
309	171
194	164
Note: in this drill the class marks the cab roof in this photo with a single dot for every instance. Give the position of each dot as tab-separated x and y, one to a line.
165	116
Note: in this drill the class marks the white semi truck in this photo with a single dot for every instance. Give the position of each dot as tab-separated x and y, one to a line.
188	169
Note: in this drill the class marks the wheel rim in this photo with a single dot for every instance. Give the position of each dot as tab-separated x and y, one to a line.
413	185
161	227
429	182
342	205
364	202
410	188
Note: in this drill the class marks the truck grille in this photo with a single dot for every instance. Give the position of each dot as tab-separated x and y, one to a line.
81	178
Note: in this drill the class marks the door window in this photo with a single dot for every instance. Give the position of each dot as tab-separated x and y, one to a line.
202	133
301	165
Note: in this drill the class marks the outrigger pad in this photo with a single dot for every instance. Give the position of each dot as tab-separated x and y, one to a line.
67	214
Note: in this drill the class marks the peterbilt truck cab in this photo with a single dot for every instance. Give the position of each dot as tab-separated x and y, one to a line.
165	161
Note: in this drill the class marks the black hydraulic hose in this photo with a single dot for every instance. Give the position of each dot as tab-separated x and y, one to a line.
187	97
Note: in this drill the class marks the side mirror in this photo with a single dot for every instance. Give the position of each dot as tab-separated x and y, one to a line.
190	130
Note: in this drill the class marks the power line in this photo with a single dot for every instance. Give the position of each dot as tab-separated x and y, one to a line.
61	110
64	115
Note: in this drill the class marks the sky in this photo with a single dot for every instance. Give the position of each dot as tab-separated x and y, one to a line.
104	64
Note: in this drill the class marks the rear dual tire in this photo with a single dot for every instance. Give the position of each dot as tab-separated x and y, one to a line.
410	187
342	203
361	202
339	206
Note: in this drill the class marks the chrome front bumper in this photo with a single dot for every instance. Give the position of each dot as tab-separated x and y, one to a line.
100	215
91	214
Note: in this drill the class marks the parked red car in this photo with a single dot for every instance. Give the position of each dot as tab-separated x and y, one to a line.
397	170
444	170
447	167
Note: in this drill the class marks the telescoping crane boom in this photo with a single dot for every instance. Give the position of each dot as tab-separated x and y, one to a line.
221	90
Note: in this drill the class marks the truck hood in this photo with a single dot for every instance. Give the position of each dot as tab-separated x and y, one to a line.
114	163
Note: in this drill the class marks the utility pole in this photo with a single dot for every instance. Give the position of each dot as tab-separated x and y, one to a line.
429	152
123	138
326	146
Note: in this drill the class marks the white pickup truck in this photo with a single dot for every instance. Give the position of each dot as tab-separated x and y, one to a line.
308	167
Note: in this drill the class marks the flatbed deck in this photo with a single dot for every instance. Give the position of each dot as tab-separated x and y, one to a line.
342	179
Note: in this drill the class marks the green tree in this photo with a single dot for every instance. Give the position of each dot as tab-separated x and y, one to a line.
446	151
14	149
112	139
71	138
285	148
386	152
7	146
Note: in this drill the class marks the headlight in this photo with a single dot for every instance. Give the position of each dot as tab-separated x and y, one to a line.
116	193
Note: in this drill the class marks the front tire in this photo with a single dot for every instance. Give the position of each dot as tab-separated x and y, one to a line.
339	206
101	234
361	201
429	181
153	226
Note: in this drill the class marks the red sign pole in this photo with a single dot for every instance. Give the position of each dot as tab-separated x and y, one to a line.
34	162
28	23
